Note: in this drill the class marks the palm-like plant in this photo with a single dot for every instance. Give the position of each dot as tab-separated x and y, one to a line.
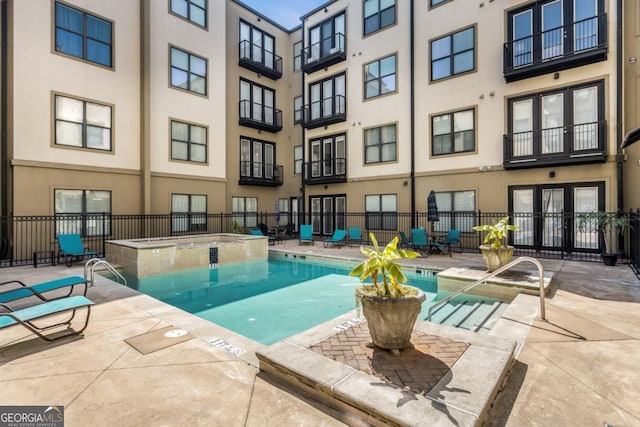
497	233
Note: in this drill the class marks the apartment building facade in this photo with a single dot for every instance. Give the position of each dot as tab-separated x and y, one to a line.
196	106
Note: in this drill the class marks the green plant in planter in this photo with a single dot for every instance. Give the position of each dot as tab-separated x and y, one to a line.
606	223
235	227
497	233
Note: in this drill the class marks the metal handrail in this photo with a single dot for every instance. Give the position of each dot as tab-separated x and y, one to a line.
94	262
493	274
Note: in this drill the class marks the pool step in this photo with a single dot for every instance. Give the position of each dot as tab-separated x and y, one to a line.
474	315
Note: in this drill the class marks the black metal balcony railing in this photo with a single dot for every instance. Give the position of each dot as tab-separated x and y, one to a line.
324	53
325	112
581	143
260	173
255	58
326	171
260	116
582	42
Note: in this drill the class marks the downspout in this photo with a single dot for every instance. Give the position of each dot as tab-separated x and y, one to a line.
619	107
301	209
4	161
412	114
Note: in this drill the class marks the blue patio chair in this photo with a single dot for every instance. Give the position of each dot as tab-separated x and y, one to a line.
71	248
338	238
306	234
453	239
38	289
404	242
26	316
420	240
354	236
258	232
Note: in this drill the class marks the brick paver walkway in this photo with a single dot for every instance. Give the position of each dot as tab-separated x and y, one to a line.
417	369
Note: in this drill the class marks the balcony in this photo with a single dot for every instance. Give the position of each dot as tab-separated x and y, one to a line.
325	112
569	145
325	171
259	173
324	53
263	62
582	42
259	116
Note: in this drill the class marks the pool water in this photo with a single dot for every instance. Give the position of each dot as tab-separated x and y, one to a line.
267	301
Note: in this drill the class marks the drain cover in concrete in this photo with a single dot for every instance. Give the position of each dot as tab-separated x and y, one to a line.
158	339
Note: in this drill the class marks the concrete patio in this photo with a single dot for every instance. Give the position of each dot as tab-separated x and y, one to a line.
579	368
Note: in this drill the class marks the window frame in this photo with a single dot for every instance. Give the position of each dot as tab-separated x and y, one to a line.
84	125
298	113
328	166
298	159
380	77
190	3
263	89
189	141
333	36
84	35
381	216
252	43
251	168
449	219
378	14
84	217
453	54
193	225
452	132
297	58
189	73
336	107
438	4
246	219
380	144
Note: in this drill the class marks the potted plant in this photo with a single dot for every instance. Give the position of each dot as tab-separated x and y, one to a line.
390	307
495	251
607	224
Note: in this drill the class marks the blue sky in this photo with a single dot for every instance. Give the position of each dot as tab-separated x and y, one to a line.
285	12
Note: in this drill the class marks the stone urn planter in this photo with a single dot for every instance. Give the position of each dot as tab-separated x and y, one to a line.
494	258
495	252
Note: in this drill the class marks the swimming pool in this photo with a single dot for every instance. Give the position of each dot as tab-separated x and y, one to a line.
267	301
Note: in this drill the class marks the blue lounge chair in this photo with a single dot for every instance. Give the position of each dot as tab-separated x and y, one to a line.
354	236
38	289
420	240
258	232
71	247
338	238
26	316
306	234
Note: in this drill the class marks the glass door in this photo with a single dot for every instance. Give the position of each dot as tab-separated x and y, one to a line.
552	32
245	41
585	118
522	125
327	156
269	49
245	157
523	38
269	160
552	123
268	106
257	159
523	216
315	158
341	155
315	101
327	98
245	100
552	217
585	27
257	104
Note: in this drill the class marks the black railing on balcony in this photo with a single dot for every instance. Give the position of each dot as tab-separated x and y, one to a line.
325	112
579	43
324	53
326	171
260	116
255	58
581	143
260	173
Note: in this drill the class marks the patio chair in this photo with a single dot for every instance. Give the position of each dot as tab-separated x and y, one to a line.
306	234
420	240
258	232
25	291
338	238
452	239
404	242
71	248
354	236
26	316
289	230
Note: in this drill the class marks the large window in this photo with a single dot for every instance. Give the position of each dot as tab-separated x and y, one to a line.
380	144
453	132
192	10
297	56
378	14
83	35
328	97
245	211
380	77
257	45
326	38
84	212
188	142
298	159
257	159
297	110
257	102
188	71
456	210
327	156
453	54
188	213
82	124
381	212
328	213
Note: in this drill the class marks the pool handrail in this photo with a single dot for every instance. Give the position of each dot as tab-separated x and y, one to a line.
493	274
94	262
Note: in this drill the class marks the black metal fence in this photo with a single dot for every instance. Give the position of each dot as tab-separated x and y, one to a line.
27	239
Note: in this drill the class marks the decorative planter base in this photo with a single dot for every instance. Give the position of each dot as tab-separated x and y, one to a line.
494	258
391	320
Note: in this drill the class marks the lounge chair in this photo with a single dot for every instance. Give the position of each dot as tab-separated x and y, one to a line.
420	240
354	236
71	247
338	238
26	316
25	291
258	232
306	234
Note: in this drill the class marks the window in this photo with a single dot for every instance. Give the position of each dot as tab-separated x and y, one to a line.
297	110
453	132
257	45
192	10
82	124
326	38
380	77
434	3
188	71
257	159
378	14
257	102
245	211
297	159
453	54
380	144
83	35
327	156
188	213
327	97
297	56
456	210
188	142
84	212
282	211
381	212
328	213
